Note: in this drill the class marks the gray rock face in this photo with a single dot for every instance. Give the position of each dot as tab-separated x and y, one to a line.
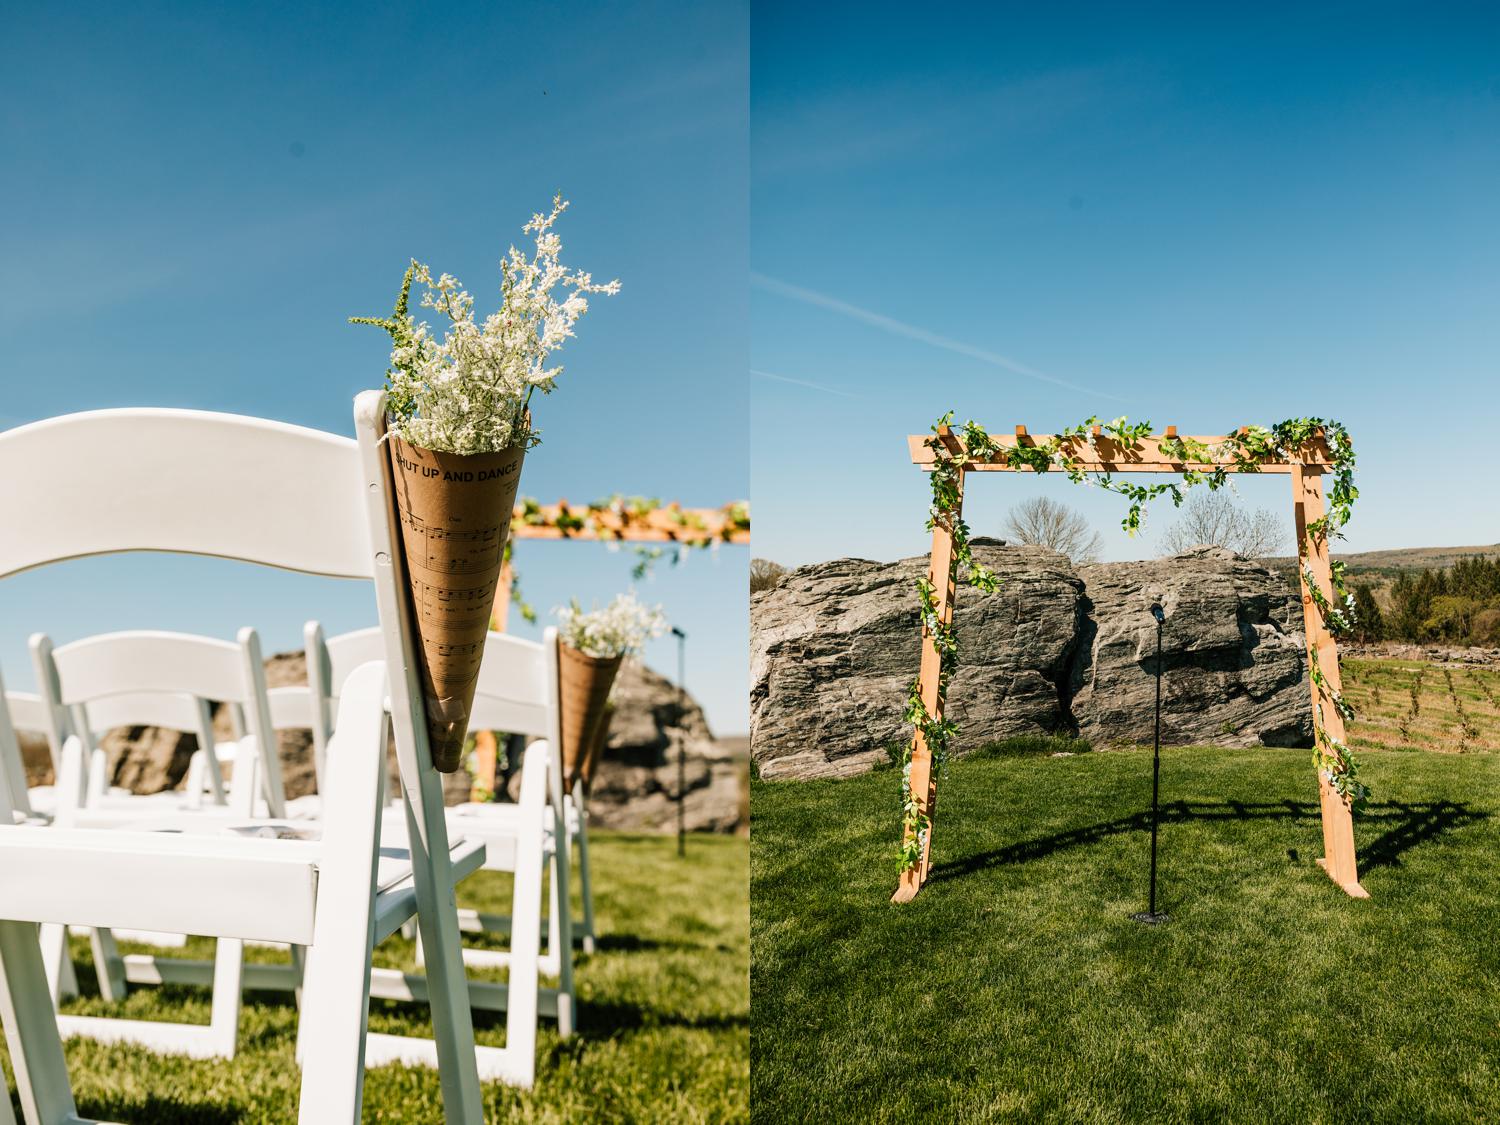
834	646
1232	654
635	786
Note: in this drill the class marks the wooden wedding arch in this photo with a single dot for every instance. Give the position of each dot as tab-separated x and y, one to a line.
616	520
1102	453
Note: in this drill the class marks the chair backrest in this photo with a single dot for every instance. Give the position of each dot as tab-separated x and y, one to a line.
146	677
292	708
517	691
511	695
142	479
28	711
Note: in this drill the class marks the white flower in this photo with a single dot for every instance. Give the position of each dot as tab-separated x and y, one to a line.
619	629
469	393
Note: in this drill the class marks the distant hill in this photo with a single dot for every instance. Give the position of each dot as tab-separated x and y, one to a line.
1379	568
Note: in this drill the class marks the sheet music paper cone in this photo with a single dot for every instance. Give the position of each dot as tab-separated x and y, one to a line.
583	683
596	749
455	514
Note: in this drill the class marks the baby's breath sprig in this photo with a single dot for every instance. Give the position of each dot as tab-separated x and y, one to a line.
619	629
470	392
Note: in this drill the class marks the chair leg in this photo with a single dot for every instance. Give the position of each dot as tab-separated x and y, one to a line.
53	939
98	774
224	1022
7	1115
524	982
109	966
336	986
331	1029
36	1053
554	925
561	924
67	977
585	880
442	951
299	965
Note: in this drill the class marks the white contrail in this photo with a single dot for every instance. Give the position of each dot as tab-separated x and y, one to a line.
912	332
804	383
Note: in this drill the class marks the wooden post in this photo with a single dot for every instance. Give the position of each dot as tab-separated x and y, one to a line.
941	574
500	614
1338	824
486	749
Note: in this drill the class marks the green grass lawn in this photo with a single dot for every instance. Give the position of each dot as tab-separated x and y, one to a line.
663	1015
1016	988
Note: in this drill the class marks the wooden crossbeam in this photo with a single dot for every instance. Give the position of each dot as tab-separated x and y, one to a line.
670	523
1106	455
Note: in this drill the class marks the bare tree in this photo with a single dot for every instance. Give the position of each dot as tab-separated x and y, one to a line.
1213	519
764	574
1046	523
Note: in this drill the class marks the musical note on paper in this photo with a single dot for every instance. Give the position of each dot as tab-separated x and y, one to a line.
455	551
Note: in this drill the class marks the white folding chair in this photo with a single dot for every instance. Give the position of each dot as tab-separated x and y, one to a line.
289	707
497	707
517	693
140	480
163	680
20	711
149	678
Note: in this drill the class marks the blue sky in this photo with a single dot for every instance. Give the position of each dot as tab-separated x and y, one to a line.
1198	216
195	197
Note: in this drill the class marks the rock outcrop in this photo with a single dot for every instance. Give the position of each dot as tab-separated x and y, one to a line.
833	649
1232	654
1058	650
634	788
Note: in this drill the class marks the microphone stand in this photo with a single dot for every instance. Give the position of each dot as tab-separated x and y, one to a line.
1151	917
681	740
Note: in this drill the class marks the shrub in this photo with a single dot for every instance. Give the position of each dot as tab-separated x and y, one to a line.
764	574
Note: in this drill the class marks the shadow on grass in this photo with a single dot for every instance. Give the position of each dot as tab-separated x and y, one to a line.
602	1019
1407	824
633	943
1414	823
159	1111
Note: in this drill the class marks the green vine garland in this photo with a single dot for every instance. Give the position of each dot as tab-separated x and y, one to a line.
1244	451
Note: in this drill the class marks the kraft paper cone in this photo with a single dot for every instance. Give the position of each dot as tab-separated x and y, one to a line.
596	749
455	518
583	684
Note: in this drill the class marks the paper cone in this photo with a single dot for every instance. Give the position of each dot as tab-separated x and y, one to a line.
596	749
583	683
455	518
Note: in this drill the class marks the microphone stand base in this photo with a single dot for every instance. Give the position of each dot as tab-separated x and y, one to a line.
1146	918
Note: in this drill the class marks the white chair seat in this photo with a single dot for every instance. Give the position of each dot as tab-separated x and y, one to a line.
498	815
498	835
43	798
42	869
219	884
